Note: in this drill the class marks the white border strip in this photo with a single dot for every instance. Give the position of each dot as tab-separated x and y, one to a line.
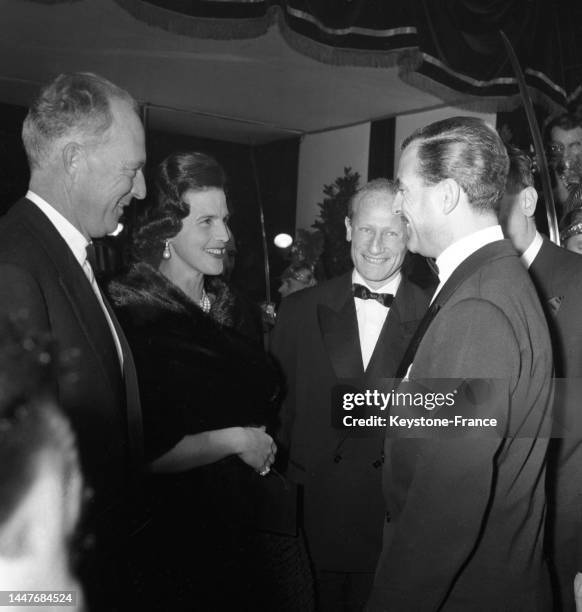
499	81
353	30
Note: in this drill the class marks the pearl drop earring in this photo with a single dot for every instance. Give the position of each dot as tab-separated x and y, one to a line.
166	254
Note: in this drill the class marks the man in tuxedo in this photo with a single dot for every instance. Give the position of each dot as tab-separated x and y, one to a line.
356	326
85	146
468	505
557	276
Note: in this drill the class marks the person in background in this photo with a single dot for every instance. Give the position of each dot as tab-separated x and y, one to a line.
571	231
296	277
86	149
40	478
208	394
557	276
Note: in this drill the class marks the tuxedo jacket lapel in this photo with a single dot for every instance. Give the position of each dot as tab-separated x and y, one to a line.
402	319
466	269
339	331
542	272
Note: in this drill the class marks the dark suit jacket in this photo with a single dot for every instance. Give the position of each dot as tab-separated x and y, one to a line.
468	511
316	341
43	282
557	275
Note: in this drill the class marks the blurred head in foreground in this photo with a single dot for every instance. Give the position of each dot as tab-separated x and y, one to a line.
40	480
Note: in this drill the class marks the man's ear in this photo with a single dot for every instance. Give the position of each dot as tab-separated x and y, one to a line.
348	223
72	156
528	200
450	193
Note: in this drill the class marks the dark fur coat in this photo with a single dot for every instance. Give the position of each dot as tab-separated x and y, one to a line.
196	372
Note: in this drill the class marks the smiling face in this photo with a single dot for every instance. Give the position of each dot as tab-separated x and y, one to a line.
566	144
201	243
111	174
378	238
415	203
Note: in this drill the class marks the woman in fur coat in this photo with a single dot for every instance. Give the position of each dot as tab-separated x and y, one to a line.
208	394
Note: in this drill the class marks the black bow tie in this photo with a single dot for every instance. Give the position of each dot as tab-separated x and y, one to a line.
364	293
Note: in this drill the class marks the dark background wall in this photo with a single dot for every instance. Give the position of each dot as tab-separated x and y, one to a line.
13	166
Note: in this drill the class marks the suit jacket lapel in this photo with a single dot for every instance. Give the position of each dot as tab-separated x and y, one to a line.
339	330
133	406
77	288
466	269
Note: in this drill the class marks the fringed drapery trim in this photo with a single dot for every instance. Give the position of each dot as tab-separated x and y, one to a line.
406	55
334	55
252	27
485	103
199	27
54	1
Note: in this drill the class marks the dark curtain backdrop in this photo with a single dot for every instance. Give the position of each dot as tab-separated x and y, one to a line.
461	50
451	48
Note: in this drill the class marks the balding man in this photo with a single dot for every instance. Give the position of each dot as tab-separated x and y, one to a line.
85	146
356	326
468	506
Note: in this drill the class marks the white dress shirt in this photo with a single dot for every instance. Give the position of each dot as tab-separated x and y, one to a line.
455	254
532	250
78	245
371	314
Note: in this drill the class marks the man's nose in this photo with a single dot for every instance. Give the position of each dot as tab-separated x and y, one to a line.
139	190
376	245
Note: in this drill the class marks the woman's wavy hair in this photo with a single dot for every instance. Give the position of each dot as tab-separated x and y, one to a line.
175	175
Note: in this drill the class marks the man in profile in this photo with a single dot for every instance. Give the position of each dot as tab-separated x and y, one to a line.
468	508
356	326
557	276
85	146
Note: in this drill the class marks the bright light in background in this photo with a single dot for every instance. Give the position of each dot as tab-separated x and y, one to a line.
117	230
283	241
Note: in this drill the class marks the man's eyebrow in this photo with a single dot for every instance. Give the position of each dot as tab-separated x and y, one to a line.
210	216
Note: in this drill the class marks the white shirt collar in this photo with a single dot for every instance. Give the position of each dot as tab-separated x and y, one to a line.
390	286
456	253
532	250
70	234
